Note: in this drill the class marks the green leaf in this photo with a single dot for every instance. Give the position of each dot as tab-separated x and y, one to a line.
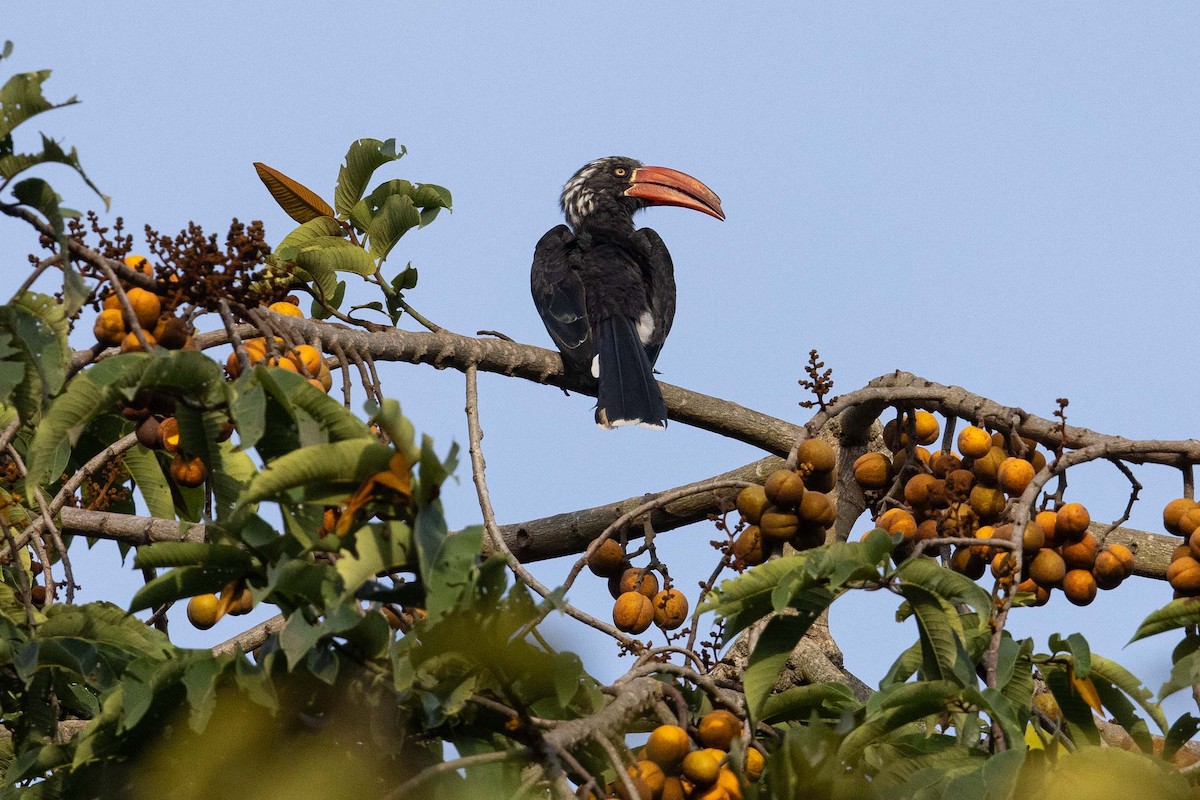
1077	646
323	259
362	159
183	582
396	217
1181	732
895	707
347	462
826	699
297	200
1076	711
747	598
12	370
298	637
1128	683
941	631
14	164
568	670
307	233
947	584
1176	614
186	554
21	99
151	482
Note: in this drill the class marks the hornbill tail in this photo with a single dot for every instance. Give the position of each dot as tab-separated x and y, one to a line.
627	394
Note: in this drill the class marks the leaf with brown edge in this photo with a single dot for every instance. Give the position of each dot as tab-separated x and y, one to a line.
301	203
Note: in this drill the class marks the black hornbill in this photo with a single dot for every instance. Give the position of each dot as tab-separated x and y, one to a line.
606	290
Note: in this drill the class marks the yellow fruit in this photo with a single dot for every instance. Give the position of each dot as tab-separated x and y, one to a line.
1047	568
987	466
873	470
898	520
635	579
287	309
986	501
670	609
130	343
673	789
1072	523
203	611
818	454
727	779
717	729
667	746
974	442
189	472
607	560
1079	586
110	327
651	775
1003	565
967	563
140	263
310	357
1013	475
1033	539
243	602
324	377
784	487
927	427
751	502
754	764
700	768
1172	513
146	306
633	612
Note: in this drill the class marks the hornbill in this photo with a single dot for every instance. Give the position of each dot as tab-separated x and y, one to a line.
606	290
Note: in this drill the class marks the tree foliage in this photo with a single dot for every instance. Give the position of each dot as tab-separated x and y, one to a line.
404	659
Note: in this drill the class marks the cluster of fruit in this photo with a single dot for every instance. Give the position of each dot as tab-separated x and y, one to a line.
205	610
968	495
158	324
637	599
161	432
1182	518
669	769
303	359
792	507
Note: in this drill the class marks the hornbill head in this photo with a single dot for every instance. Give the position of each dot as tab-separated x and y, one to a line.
620	185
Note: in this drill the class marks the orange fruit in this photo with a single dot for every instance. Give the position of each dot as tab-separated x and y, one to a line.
987	466
633	612
607	560
898	520
974	442
754	764
751	502
700	768
717	729
651	775
168	434
1013	475
324	377
667	746
942	464
287	309
130	343
146	306
1048	522
727	779
927	427
1079	586
986	501
1184	575
309	357
817	454
1080	554
1072	523
203	611
917	490
670	609
673	789
873	470
1172	513
748	547
1108	570
140	263
189	472
635	579
1122	554
110	327
967	563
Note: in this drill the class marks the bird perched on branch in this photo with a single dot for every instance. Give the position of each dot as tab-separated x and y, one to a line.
606	290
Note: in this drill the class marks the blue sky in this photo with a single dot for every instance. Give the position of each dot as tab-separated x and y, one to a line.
999	197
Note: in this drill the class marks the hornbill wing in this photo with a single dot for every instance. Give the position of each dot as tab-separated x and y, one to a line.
660	278
560	298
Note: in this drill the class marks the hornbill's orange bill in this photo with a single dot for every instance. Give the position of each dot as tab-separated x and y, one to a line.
663	186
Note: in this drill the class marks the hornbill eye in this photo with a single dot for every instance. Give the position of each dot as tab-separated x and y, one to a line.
620	172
